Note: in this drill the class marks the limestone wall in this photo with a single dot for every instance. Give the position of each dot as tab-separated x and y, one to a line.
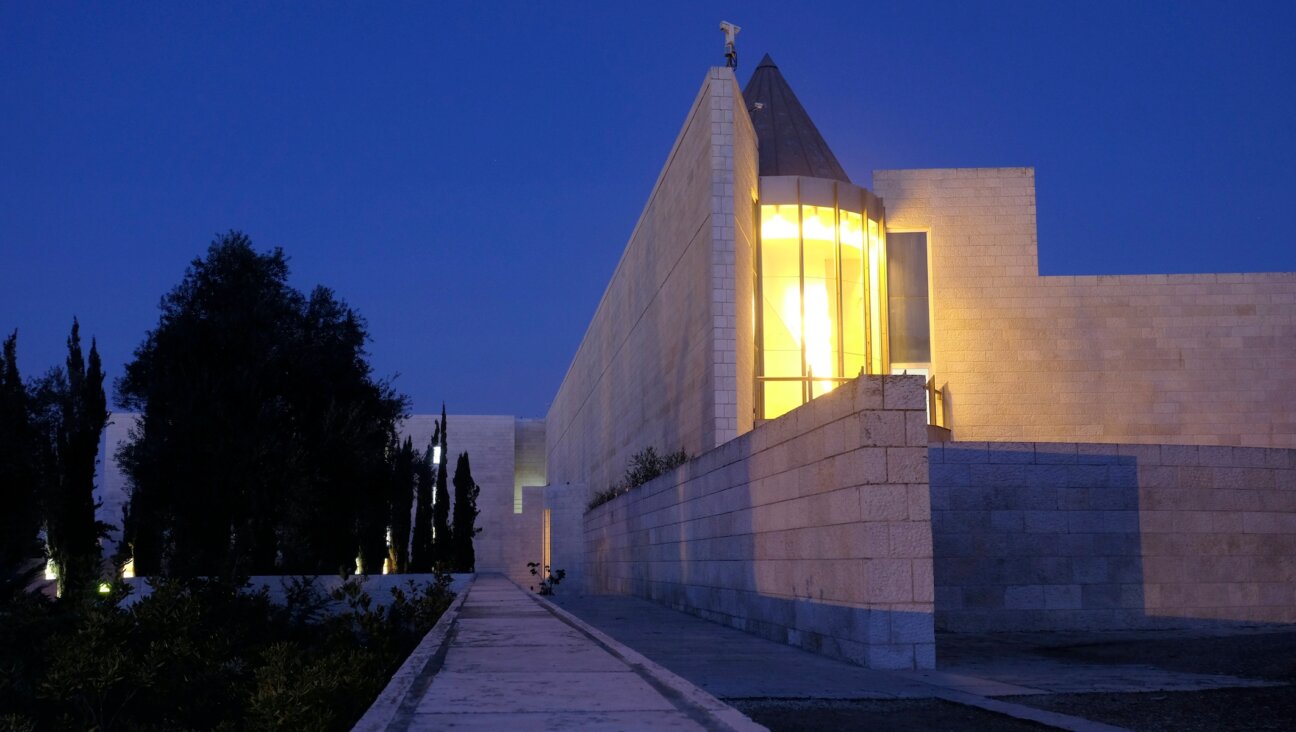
1054	536
490	441
657	364
1190	359
812	529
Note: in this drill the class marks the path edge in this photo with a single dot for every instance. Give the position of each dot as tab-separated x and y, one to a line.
382	713
721	712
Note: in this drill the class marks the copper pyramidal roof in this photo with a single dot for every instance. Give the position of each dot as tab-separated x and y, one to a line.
790	144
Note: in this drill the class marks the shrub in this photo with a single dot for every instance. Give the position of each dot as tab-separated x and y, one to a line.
642	467
205	654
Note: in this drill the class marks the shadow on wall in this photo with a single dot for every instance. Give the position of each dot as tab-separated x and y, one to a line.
1058	536
813	530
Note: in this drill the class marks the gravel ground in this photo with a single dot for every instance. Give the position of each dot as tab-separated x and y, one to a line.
907	715
1255	655
1267	708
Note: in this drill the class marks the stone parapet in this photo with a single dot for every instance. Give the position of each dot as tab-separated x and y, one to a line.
1062	536
812	529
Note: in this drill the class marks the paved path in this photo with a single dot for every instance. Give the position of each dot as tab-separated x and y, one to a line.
509	662
504	659
735	665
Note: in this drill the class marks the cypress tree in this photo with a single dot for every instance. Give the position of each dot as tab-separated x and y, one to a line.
72	412
421	547
442	543
465	516
20	518
402	503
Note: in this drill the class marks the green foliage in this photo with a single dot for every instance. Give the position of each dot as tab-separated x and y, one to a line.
207	654
70	413
642	467
262	440
421	559
20	519
403	479
465	516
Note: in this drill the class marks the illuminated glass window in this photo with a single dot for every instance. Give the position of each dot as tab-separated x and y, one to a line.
821	291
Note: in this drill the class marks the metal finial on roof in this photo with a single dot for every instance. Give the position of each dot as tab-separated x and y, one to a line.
731	52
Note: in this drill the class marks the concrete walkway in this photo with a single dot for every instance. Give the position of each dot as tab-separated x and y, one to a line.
510	662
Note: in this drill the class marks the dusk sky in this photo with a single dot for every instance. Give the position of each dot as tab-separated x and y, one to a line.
467	174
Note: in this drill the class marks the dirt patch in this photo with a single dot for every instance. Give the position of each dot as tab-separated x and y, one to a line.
1266	708
902	715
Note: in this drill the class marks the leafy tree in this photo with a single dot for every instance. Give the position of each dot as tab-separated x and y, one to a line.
421	548
262	437
20	518
465	516
442	534
71	413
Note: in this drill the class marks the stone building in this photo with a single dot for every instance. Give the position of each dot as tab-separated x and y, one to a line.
896	423
899	424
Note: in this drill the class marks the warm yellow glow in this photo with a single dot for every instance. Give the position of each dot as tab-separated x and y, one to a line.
817	223
357	565
877	293
819	273
818	336
852	230
778	222
853	294
546	555
51	570
104	588
128	569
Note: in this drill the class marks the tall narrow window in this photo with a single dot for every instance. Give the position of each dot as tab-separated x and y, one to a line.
908	301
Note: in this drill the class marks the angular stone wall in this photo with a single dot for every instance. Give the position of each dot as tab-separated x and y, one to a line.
1206	359
657	365
1059	536
812	529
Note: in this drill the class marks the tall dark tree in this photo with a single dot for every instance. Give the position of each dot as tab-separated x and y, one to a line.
421	559
20	518
465	516
262	436
442	539
71	414
402	504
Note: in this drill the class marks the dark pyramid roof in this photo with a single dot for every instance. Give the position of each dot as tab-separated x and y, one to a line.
790	144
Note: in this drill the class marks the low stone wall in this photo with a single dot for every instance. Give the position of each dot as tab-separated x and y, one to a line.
813	529
1059	536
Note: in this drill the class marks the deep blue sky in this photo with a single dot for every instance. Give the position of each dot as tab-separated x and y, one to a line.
466	174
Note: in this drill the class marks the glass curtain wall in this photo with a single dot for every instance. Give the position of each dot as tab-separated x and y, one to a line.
820	289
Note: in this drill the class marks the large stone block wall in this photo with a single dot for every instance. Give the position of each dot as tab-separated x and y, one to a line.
813	529
1058	536
1206	359
657	364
